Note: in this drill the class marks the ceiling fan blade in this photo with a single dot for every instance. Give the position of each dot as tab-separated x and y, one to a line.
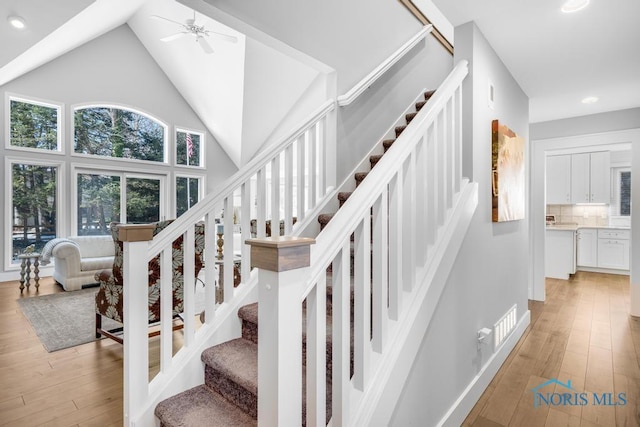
204	44
173	37
167	19
226	37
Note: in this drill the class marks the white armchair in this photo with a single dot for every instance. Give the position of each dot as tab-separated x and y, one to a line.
79	258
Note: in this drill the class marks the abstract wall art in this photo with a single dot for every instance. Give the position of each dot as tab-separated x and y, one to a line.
507	174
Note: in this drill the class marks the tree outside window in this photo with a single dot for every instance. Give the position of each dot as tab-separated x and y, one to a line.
34	206
115	132
34	125
187	193
188	148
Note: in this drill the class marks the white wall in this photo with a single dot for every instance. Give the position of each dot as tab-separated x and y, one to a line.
583	125
358	39
273	83
490	273
114	68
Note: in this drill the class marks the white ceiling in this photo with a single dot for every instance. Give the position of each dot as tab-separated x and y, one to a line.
559	58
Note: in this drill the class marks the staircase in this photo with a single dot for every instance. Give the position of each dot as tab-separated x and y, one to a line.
229	395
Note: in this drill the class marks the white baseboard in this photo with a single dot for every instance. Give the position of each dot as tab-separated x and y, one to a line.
456	415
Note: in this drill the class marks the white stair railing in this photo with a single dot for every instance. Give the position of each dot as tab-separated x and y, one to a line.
382	245
281	187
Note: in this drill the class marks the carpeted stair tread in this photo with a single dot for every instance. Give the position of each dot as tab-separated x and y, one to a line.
359	176
374	159
410	116
428	94
324	219
231	369
387	143
400	129
249	316
343	196
420	104
200	406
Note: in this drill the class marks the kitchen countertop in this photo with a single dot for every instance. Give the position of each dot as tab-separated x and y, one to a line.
575	227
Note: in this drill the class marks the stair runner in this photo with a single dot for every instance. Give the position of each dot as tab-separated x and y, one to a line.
229	395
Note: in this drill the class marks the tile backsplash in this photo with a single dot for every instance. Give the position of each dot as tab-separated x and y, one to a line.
582	215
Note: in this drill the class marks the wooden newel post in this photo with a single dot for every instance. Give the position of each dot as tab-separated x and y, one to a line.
283	268
135	274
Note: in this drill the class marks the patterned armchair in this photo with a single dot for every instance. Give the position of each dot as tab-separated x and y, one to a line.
109	301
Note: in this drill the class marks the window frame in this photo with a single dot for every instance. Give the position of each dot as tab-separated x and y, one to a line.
60	208
43	103
201	188
617	190
165	126
124	173
201	149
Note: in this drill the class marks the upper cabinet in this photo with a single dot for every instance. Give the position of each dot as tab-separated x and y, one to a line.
559	180
591	177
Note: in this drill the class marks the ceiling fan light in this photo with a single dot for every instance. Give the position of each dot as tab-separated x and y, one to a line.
17	22
571	6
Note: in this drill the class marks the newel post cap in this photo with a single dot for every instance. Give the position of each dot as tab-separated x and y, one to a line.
135	232
281	253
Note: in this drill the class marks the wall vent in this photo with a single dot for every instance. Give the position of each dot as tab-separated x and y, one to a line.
504	326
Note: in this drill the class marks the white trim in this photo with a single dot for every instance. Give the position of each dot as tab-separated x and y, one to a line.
376	73
123	174
34	101
436	17
173	211
8	218
456	415
201	148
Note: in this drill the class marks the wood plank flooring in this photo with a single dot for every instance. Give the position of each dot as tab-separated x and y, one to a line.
582	333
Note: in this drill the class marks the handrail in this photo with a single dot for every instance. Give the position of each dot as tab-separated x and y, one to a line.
325	248
438	32
376	73
221	191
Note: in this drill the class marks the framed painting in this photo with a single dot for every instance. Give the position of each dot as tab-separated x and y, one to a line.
507	174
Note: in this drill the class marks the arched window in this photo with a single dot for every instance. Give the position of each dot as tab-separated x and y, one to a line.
111	131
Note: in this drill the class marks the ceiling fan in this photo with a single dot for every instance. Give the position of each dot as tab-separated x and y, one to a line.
199	32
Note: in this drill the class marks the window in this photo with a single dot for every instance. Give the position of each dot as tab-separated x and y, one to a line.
103	197
188	148
34	206
187	193
34	125
625	193
116	132
621	194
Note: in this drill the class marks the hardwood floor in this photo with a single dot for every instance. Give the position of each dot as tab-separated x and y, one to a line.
582	333
79	386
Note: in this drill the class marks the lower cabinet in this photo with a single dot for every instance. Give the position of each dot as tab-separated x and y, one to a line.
613	249
560	256
587	247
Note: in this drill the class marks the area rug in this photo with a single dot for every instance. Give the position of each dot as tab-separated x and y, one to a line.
65	319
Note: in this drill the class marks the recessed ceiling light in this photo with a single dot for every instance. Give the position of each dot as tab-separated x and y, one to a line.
17	22
571	6
590	100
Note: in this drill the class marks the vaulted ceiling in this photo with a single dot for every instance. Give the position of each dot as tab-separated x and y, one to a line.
557	58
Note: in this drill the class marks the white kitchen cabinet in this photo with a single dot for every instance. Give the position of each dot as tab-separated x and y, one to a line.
600	177
587	247
560	255
613	249
590	177
559	180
